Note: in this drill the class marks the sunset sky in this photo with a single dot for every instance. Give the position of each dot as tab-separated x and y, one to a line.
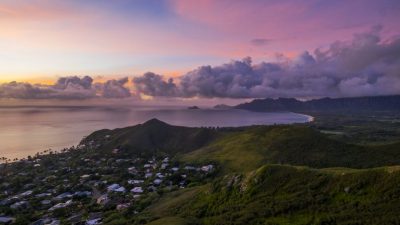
44	40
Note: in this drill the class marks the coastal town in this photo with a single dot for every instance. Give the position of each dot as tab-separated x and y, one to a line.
82	186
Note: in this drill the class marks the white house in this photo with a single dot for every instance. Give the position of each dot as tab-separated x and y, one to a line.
157	181
6	220
137	190
135	181
113	187
61	205
207	168
94	221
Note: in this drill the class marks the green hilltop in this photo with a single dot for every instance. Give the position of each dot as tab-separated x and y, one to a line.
153	136
246	149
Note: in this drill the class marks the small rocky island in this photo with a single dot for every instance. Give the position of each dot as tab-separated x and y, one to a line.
193	107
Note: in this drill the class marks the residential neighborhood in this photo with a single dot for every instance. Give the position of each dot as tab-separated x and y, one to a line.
83	186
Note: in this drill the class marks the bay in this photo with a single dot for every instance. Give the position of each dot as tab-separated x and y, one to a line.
27	130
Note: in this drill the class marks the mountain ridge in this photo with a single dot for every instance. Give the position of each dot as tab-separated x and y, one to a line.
353	104
246	148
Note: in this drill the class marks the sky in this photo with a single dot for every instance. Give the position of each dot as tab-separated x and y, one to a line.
227	48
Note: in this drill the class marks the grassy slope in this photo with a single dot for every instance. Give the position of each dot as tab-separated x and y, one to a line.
276	194
294	145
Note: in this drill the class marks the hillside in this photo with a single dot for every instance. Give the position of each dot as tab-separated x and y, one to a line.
245	149
151	136
295	145
357	104
276	194
282	174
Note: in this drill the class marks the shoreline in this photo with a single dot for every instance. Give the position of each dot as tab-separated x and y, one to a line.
46	131
46	151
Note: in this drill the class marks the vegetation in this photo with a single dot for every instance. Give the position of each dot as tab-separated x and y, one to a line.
275	194
152	136
247	150
317	173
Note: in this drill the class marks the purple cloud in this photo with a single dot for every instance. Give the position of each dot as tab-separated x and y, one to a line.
365	66
154	85
71	87
114	88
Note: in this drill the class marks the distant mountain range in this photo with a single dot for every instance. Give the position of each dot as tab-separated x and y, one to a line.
356	104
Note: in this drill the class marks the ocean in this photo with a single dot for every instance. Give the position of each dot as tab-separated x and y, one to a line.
26	130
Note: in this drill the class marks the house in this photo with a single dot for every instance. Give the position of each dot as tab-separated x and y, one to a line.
135	181
82	193
146	166
136	196
132	170
121	160
61	205
123	206
74	219
94	218
164	166
5	202
28	186
120	190
45	202
190	168
41	195
137	190
85	176
6	220
93	221
103	200
148	175
19	205
207	168
63	196
159	175
113	187
157	181
175	169
23	174
46	221
26	193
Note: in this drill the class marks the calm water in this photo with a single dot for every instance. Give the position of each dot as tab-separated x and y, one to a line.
27	130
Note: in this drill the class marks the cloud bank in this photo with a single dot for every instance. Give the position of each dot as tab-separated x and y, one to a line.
366	65
71	87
